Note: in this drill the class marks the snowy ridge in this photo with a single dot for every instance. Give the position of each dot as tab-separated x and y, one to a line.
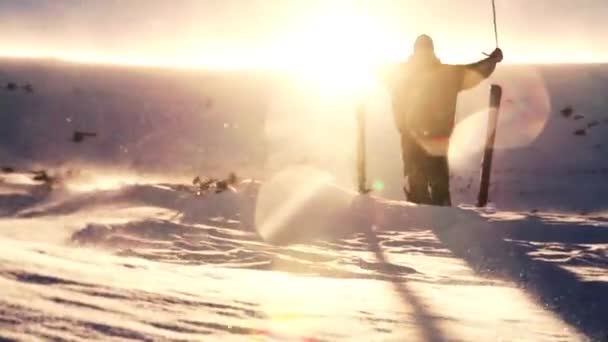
121	264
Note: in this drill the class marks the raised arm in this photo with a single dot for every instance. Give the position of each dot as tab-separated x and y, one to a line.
474	73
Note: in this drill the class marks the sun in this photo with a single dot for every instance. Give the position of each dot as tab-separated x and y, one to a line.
337	48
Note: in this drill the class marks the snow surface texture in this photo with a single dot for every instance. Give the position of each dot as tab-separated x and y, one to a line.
113	264
114	251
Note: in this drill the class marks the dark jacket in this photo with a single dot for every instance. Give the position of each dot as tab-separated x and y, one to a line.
424	93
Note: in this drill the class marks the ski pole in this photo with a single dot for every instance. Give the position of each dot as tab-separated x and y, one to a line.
486	164
495	25
361	155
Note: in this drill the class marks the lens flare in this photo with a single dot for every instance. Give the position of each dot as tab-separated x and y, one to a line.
300	202
378	185
524	111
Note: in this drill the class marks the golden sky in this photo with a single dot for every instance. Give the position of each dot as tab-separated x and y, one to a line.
299	33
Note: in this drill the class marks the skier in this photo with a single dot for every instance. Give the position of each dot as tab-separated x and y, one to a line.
424	93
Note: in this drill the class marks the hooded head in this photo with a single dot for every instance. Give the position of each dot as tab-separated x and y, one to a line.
424	45
424	49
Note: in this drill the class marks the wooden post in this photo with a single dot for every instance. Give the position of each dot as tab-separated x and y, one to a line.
486	164
361	153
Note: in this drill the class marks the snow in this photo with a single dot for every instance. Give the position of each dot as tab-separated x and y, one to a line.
111	264
127	252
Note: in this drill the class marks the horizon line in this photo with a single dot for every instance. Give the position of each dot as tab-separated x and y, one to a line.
232	68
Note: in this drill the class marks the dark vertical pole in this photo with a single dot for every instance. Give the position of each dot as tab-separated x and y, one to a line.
486	164
361	158
495	25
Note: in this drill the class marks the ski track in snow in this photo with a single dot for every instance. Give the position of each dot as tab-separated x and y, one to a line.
152	262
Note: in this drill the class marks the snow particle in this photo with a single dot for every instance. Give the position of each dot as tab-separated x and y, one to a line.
580	132
578	117
567	111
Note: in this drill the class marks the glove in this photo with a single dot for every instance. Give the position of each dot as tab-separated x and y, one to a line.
497	55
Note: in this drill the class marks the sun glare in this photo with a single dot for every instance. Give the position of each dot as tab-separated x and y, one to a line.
338	49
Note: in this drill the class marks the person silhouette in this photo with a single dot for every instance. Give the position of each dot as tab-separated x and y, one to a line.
424	93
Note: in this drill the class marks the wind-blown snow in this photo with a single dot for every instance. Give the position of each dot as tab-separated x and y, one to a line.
113	263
